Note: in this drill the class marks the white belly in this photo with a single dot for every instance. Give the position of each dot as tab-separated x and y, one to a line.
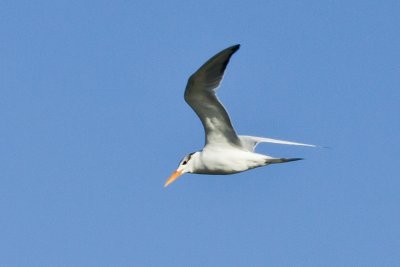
227	161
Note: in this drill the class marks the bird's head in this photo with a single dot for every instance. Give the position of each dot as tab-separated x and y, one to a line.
185	166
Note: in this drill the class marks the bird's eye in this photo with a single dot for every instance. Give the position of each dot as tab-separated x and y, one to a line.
184	163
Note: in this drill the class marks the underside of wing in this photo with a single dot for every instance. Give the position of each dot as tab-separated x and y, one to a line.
250	142
200	95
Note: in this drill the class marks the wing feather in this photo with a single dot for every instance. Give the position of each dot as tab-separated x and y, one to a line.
250	142
200	94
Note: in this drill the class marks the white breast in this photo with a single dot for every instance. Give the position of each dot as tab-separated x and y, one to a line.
217	160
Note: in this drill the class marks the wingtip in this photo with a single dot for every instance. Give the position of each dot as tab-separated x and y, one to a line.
294	159
235	47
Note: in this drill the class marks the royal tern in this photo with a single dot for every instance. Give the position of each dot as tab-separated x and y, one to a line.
224	152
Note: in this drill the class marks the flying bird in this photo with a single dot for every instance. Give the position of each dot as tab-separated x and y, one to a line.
224	152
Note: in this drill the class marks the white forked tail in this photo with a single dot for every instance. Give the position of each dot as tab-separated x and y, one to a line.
250	142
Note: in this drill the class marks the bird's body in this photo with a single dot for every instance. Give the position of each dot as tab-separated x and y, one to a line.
225	160
225	152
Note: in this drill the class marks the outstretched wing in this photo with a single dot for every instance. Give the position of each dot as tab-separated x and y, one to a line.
250	142
200	95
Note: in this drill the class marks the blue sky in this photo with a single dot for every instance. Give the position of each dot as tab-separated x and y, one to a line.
93	122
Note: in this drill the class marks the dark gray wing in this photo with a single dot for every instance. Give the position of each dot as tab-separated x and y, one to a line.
200	95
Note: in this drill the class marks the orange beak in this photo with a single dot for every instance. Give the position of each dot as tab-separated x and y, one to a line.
173	177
